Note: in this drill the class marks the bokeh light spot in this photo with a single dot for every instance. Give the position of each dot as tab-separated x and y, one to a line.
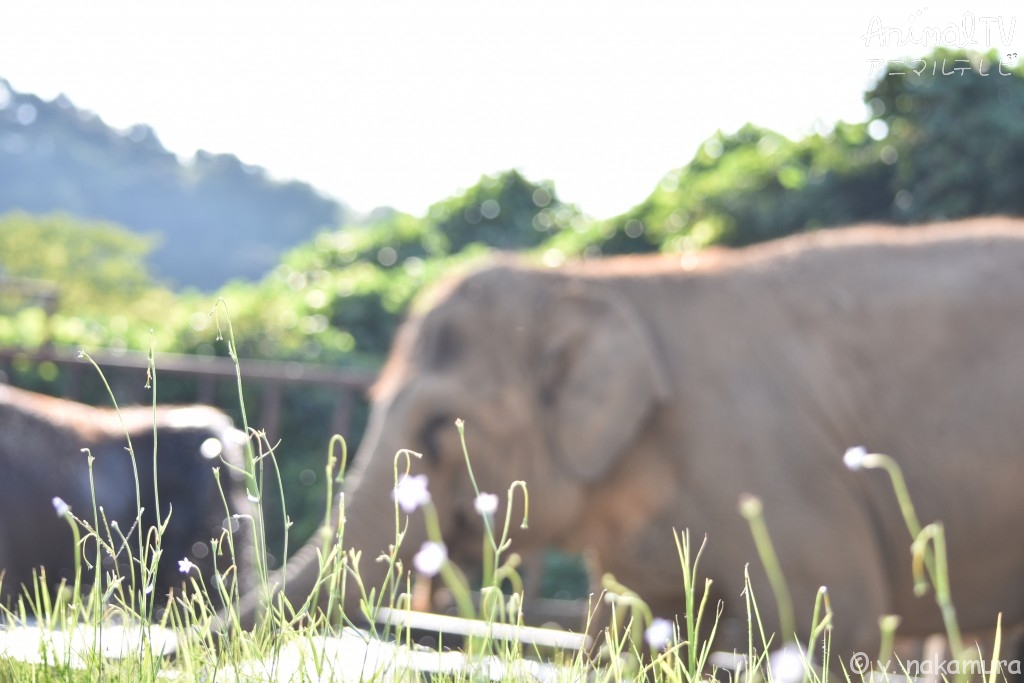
490	209
541	197
878	129
26	114
387	257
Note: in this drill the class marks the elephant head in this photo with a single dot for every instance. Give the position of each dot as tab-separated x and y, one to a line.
554	378
45	447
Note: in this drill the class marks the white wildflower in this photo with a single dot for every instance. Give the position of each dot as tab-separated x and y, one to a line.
788	665
659	634
486	504
411	492
430	558
61	508
854	457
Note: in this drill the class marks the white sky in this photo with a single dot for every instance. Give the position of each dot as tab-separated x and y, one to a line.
404	102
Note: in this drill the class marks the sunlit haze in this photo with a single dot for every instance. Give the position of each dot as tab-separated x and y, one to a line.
403	103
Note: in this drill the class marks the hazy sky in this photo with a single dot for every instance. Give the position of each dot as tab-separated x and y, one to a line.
405	102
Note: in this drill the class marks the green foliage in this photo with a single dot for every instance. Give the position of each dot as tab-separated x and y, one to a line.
90	275
750	186
959	136
95	265
939	146
504	212
362	279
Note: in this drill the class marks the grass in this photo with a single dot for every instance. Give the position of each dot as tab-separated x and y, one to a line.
300	640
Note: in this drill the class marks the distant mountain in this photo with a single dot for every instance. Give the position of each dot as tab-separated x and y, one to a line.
216	218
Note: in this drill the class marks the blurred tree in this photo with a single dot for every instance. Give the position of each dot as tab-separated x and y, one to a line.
95	266
747	187
504	212
943	142
958	130
364	277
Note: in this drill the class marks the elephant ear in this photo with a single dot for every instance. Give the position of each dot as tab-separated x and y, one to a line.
599	378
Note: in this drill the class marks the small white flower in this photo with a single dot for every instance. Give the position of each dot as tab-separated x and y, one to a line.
185	566
430	558
60	507
854	457
659	634
211	448
411	492
788	664
486	504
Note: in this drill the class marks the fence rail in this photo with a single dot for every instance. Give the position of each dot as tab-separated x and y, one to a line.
41	292
275	376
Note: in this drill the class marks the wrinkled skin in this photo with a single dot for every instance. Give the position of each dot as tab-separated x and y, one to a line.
639	395
41	456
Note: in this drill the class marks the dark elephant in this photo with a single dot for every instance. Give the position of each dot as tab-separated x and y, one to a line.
45	443
644	394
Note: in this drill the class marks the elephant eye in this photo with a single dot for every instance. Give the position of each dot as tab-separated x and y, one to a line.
430	436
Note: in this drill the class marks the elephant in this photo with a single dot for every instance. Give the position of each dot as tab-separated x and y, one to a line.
45	444
640	395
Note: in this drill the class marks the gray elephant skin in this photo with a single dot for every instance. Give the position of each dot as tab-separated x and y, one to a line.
41	457
638	395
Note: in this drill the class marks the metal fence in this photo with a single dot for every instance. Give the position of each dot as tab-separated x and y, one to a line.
272	376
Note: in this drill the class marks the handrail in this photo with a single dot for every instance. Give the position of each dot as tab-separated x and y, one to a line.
44	290
218	366
275	376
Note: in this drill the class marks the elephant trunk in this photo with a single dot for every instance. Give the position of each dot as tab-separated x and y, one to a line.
369	528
